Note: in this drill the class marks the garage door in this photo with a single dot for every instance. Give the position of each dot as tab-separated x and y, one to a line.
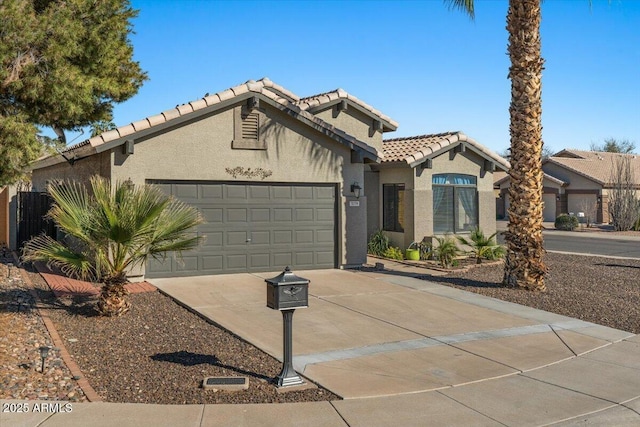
253	228
549	210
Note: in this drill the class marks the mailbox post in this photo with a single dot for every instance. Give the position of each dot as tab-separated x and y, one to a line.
286	292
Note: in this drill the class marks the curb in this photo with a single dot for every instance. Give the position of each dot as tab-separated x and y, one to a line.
88	391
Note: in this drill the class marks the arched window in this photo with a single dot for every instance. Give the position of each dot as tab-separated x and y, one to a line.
455	203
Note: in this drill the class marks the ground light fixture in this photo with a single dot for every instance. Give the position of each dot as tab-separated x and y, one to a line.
44	352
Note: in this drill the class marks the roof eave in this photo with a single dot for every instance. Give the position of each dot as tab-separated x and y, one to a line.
368	151
177	121
455	140
55	159
387	125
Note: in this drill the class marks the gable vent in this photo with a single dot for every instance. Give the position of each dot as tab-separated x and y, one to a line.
250	126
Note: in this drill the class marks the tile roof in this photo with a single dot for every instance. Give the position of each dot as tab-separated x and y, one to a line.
500	177
594	165
281	97
314	102
415	149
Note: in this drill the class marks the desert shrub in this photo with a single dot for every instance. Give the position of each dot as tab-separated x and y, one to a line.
482	246
378	243
446	251
566	222
393	253
498	252
624	205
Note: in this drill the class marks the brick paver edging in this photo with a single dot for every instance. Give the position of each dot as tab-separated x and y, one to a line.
89	392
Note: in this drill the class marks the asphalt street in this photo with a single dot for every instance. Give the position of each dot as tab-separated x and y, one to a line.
580	243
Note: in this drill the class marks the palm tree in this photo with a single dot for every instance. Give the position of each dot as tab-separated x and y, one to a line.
109	231
482	246
524	264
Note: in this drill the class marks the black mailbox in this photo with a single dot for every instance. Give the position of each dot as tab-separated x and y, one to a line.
287	291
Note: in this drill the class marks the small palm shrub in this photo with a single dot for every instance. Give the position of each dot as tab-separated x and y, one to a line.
483	247
111	229
446	251
393	253
566	222
378	243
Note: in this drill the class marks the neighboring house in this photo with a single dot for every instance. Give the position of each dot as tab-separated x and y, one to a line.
432	185
576	181
283	180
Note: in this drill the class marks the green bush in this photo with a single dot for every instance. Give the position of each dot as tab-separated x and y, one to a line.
566	222
378	243
393	253
482	246
497	252
446	251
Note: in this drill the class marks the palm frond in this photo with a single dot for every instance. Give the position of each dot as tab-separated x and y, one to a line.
55	254
466	6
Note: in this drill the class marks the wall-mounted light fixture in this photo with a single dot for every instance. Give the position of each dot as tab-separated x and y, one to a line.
356	189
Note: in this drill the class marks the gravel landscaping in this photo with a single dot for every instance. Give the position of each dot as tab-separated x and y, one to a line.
160	352
22	332
601	290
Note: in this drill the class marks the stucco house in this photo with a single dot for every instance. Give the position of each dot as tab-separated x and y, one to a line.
575	181
432	185
284	180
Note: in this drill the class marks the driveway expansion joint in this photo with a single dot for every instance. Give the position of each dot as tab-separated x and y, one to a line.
302	361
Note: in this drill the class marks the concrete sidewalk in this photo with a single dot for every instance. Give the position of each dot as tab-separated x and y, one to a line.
403	352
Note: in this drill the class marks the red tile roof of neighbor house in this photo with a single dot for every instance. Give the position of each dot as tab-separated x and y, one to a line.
279	96
594	165
416	149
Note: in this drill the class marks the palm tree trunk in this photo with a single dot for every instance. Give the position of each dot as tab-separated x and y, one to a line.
114	297
524	264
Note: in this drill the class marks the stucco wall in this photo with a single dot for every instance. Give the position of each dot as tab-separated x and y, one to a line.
353	122
81	170
372	191
419	194
202	150
468	163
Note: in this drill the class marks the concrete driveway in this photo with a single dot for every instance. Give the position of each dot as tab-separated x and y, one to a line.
401	342
402	352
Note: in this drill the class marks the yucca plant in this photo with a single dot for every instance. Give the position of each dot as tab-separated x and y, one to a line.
445	251
110	230
483	247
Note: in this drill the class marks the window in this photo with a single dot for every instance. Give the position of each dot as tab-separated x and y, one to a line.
455	203
393	207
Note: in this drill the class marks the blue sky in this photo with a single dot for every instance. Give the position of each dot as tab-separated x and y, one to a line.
429	68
